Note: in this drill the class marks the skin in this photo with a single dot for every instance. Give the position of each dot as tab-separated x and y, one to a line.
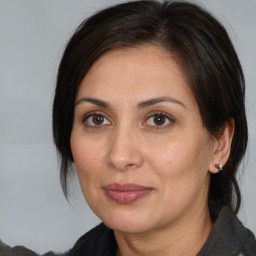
122	142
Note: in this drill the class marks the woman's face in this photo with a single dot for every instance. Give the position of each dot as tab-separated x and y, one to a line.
141	151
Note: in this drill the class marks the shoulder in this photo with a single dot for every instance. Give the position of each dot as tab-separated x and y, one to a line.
6	250
229	237
98	241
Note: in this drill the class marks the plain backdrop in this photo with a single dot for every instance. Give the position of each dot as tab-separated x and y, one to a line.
33	33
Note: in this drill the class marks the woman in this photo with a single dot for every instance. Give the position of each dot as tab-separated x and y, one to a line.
149	106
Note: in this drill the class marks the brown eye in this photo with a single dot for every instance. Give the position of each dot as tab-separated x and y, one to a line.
159	119
96	120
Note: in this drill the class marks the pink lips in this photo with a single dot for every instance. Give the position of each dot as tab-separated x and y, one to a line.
127	193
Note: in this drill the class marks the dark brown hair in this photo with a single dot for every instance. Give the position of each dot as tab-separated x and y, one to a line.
204	51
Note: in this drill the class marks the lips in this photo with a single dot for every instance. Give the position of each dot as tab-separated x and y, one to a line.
126	193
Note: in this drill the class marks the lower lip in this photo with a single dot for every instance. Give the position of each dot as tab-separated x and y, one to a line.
126	197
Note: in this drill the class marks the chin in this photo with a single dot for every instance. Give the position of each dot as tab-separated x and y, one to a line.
128	222
128	227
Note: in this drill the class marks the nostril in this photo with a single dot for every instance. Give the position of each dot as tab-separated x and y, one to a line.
123	164
130	166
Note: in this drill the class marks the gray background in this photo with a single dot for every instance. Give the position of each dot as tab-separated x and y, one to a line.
33	210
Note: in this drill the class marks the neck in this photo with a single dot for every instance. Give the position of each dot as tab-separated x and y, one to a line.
183	239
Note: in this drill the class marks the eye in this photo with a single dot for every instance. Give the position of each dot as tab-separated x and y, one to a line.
96	120
158	120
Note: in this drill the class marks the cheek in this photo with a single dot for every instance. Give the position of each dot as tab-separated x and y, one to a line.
180	163
181	170
87	157
169	157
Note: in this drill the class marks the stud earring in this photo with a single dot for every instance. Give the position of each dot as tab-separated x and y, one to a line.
219	167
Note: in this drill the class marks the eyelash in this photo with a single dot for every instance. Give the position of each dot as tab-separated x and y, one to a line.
91	114
160	114
150	115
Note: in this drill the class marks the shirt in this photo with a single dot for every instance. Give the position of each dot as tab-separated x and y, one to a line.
227	238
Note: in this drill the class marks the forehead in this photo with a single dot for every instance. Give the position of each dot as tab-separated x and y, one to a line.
137	72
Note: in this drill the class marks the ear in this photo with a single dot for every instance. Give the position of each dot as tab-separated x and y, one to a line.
222	146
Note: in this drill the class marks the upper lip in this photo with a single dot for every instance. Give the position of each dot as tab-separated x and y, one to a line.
126	187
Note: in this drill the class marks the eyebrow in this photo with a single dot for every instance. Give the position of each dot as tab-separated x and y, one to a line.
94	101
143	104
154	101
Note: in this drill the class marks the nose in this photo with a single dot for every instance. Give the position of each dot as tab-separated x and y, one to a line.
125	152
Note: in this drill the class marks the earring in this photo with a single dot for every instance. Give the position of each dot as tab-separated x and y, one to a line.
219	167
